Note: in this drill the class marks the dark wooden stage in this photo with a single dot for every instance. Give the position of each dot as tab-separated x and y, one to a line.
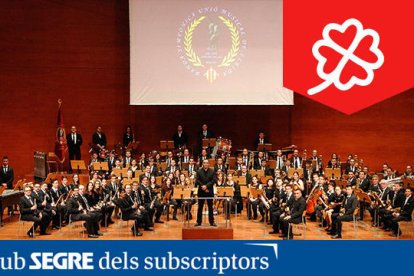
172	230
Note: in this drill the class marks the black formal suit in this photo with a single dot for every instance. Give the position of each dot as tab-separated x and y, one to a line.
350	169
99	140
257	164
74	146
267	171
27	214
111	163
298	207
91	218
180	140
61	211
222	167
192	169
350	204
259	141
202	135
7	176
307	174
397	201
64	189
405	214
278	213
205	178
352	182
247	175
129	213
296	162
364	185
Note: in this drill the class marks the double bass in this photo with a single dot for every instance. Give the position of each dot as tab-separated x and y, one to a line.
312	200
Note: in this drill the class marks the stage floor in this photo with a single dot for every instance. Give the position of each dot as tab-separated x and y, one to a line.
172	230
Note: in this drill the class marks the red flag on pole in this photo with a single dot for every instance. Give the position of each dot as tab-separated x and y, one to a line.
61	145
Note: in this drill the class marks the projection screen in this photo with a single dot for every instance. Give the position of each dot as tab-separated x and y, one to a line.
227	52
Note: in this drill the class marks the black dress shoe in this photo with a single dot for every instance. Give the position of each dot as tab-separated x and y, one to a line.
44	234
273	232
336	237
93	236
30	234
197	224
139	234
387	229
213	224
55	227
159	221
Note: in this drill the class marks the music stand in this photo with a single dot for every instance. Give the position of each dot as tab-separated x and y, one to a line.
78	164
124	172
117	172
241	180
335	173
258	173
264	147
255	192
225	191
180	193
293	170
100	166
364	197
244	191
166	145
264	179
127	182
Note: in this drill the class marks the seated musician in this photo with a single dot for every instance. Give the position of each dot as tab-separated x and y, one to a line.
111	160
239	164
286	202
383	192
192	167
404	214
185	158
128	159
364	185
334	164
139	198
75	181
408	172
130	210
147	173
267	170
156	194
318	162
167	193
349	206
101	199
153	166
134	167
307	172
203	156
390	174
258	161
397	199
351	179
43	201
172	168
46	197
351	167
269	192
252	203
29	212
334	207
286	167
145	191
245	173
230	203
79	209
296	182
220	165
245	157
94	158
295	215
142	162
334	158
280	159
59	206
327	197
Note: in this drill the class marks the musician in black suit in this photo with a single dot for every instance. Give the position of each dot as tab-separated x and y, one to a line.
6	174
130	210
59	206
351	179
296	213
266	169
128	136
396	199
147	199
296	160
350	204
79	209
364	185
205	133
74	141
404	214
245	173
261	140
29	212
206	178
286	200
257	164
220	165
99	138
351	167
180	138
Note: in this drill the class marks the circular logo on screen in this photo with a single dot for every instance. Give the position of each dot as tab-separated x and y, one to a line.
211	43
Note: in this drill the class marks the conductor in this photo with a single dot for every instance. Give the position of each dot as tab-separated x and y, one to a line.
206	178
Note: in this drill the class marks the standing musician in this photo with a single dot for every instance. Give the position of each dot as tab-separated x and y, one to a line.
205	180
280	159
79	209
74	141
295	216
349	206
30	212
130	210
318	162
128	137
296	161
99	139
180	138
286	202
403	215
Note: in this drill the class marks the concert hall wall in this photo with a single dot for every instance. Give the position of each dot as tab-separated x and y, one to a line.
79	51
